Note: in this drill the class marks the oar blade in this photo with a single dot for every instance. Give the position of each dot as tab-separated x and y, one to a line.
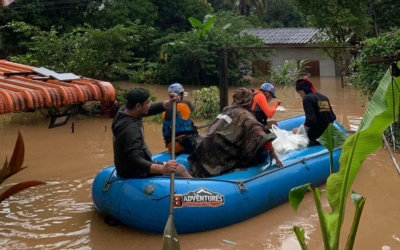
170	239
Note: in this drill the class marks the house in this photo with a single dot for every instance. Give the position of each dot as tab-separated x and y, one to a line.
291	43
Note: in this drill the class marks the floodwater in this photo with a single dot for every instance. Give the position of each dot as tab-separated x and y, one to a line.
60	215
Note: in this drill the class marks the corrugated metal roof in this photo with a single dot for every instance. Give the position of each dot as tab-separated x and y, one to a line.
284	35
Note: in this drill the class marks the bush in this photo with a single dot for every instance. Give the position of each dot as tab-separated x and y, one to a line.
96	53
287	74
206	101
367	76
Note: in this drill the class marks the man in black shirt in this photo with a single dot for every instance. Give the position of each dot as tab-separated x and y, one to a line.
317	109
132	157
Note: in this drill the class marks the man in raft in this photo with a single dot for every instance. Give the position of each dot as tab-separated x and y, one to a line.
317	109
260	107
132	157
185	131
235	140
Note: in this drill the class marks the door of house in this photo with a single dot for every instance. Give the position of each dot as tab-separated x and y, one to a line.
313	67
262	66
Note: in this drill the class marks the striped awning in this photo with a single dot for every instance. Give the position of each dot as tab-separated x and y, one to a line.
22	88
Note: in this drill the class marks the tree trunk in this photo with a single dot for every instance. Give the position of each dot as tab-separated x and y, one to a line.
244	8
374	18
342	62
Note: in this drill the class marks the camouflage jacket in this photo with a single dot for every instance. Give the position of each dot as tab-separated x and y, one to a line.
231	142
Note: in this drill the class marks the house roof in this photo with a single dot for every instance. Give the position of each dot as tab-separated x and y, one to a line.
284	35
24	87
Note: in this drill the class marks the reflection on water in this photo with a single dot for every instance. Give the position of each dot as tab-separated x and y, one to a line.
60	215
49	217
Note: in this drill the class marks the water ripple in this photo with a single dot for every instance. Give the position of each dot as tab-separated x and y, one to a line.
51	212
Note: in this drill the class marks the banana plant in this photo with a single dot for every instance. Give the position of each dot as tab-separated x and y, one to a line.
380	113
13	167
201	28
331	139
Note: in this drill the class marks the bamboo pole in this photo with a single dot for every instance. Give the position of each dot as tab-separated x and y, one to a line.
391	153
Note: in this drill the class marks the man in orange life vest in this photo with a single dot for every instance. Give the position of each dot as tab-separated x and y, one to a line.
186	132
260	108
317	109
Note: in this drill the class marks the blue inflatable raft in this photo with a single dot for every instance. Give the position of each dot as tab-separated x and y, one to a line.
206	204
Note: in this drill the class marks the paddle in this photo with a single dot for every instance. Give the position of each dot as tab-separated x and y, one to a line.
170	239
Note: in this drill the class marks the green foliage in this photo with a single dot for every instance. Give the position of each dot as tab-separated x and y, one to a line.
337	22
246	6
92	108
119	12
157	118
206	101
172	15
44	14
331	139
283	14
201	28
121	93
96	53
190	59
144	72
287	74
387	14
378	116
367	76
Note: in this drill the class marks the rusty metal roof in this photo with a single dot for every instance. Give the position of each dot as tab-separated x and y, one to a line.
284	35
21	89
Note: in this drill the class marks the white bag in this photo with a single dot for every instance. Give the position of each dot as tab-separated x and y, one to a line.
286	141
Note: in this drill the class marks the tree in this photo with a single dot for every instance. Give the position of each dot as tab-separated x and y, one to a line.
44	14
245	6
337	21
283	13
117	12
189	57
386	12
367	76
173	15
103	54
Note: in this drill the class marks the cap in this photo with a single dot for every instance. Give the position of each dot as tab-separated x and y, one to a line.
137	95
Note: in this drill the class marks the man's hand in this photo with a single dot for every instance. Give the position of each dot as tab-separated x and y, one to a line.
294	131
169	167
279	163
173	167
173	98
279	102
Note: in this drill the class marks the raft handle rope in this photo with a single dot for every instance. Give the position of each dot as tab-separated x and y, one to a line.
109	181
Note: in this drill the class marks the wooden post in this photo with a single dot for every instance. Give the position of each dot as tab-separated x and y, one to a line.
223	79
73	127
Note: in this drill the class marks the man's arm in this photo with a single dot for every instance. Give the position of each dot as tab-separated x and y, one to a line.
262	102
156	108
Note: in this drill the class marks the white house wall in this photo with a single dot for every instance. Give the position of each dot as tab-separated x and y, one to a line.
326	65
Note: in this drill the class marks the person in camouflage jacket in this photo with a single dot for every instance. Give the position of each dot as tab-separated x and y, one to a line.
234	140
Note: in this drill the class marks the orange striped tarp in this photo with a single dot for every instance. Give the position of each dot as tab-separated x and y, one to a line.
21	89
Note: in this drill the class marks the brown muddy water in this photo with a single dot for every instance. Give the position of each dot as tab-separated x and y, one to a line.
60	215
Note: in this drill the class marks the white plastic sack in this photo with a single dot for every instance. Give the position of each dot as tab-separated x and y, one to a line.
286	141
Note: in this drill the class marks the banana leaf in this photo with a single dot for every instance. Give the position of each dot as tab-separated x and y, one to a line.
381	112
332	138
